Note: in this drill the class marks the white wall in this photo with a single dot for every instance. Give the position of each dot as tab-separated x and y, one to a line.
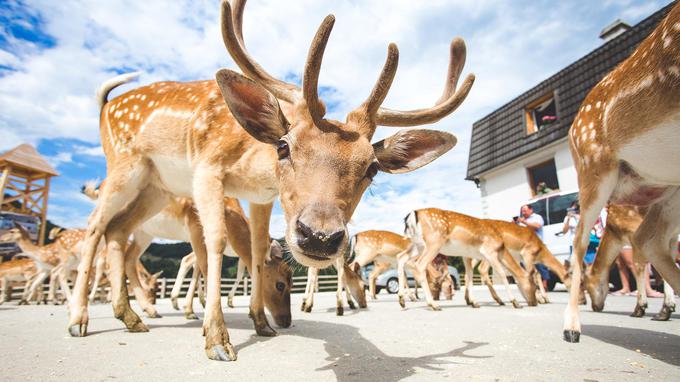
505	189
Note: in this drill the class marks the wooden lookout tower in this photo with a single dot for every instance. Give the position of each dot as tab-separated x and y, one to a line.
25	184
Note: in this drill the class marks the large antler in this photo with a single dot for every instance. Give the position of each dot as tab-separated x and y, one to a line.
310	79
449	101
313	67
232	35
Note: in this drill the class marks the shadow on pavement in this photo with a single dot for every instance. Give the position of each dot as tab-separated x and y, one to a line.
353	357
661	346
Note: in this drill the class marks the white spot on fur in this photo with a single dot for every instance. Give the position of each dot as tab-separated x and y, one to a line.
588	107
597	105
667	41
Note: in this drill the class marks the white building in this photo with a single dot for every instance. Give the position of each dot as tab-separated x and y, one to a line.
524	142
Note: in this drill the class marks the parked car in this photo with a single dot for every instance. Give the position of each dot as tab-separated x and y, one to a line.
389	280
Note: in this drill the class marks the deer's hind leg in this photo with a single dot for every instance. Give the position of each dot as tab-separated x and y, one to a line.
122	186
150	201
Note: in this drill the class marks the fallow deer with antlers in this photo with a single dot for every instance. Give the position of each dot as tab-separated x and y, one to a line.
624	143
232	137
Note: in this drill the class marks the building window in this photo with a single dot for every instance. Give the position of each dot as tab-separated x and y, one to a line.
543	178
540	113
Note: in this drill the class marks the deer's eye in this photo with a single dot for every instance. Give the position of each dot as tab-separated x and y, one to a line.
280	286
372	171
282	149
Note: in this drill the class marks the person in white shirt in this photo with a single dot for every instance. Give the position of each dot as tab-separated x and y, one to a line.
534	221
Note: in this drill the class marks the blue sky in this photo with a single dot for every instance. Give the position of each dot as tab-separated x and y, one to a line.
54	54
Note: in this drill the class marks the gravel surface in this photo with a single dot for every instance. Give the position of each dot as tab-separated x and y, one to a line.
381	343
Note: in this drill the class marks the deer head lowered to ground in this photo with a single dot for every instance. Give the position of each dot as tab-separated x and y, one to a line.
180	139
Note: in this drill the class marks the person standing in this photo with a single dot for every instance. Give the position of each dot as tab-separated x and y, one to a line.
528	218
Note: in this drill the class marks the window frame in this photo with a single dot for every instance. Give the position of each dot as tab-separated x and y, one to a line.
530	125
530	178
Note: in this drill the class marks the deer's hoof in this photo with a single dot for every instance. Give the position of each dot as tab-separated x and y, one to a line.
572	336
78	330
639	311
664	314
224	353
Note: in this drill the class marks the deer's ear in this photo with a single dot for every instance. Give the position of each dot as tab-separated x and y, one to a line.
253	106
408	150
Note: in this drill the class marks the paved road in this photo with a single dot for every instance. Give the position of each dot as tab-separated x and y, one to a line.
382	343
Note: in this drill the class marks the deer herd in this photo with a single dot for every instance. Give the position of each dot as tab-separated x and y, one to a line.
180	155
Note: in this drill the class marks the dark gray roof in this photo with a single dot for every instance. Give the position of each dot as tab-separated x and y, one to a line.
501	136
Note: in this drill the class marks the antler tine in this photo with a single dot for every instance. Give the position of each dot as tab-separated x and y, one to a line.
456	64
382	86
444	106
310	79
233	40
237	19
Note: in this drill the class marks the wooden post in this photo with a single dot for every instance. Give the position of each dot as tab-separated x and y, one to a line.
164	284
43	212
3	183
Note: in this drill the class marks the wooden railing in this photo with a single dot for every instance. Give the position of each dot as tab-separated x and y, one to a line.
326	283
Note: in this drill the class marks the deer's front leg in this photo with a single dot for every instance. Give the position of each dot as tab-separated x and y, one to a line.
259	238
339	309
209	198
425	259
240	271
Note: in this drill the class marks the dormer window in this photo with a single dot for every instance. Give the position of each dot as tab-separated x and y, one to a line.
540	113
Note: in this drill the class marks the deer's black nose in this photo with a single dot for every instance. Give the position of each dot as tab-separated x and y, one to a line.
319	242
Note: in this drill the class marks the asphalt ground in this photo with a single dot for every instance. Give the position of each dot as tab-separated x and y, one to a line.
380	343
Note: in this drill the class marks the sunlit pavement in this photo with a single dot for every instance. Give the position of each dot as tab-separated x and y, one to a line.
381	343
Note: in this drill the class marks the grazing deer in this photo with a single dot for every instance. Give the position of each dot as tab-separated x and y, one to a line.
231	137
14	272
434	231
176	222
382	247
439	279
349	280
523	244
622	223
45	258
624	143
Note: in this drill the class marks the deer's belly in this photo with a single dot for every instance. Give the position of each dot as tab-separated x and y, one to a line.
387	260
163	226
655	154
457	248
176	174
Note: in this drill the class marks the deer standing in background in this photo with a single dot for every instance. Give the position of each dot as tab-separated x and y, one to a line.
624	143
232	137
622	223
433	231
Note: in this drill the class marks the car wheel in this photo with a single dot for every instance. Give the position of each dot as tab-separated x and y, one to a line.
392	285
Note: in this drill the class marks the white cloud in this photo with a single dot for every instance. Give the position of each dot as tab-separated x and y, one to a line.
511	47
